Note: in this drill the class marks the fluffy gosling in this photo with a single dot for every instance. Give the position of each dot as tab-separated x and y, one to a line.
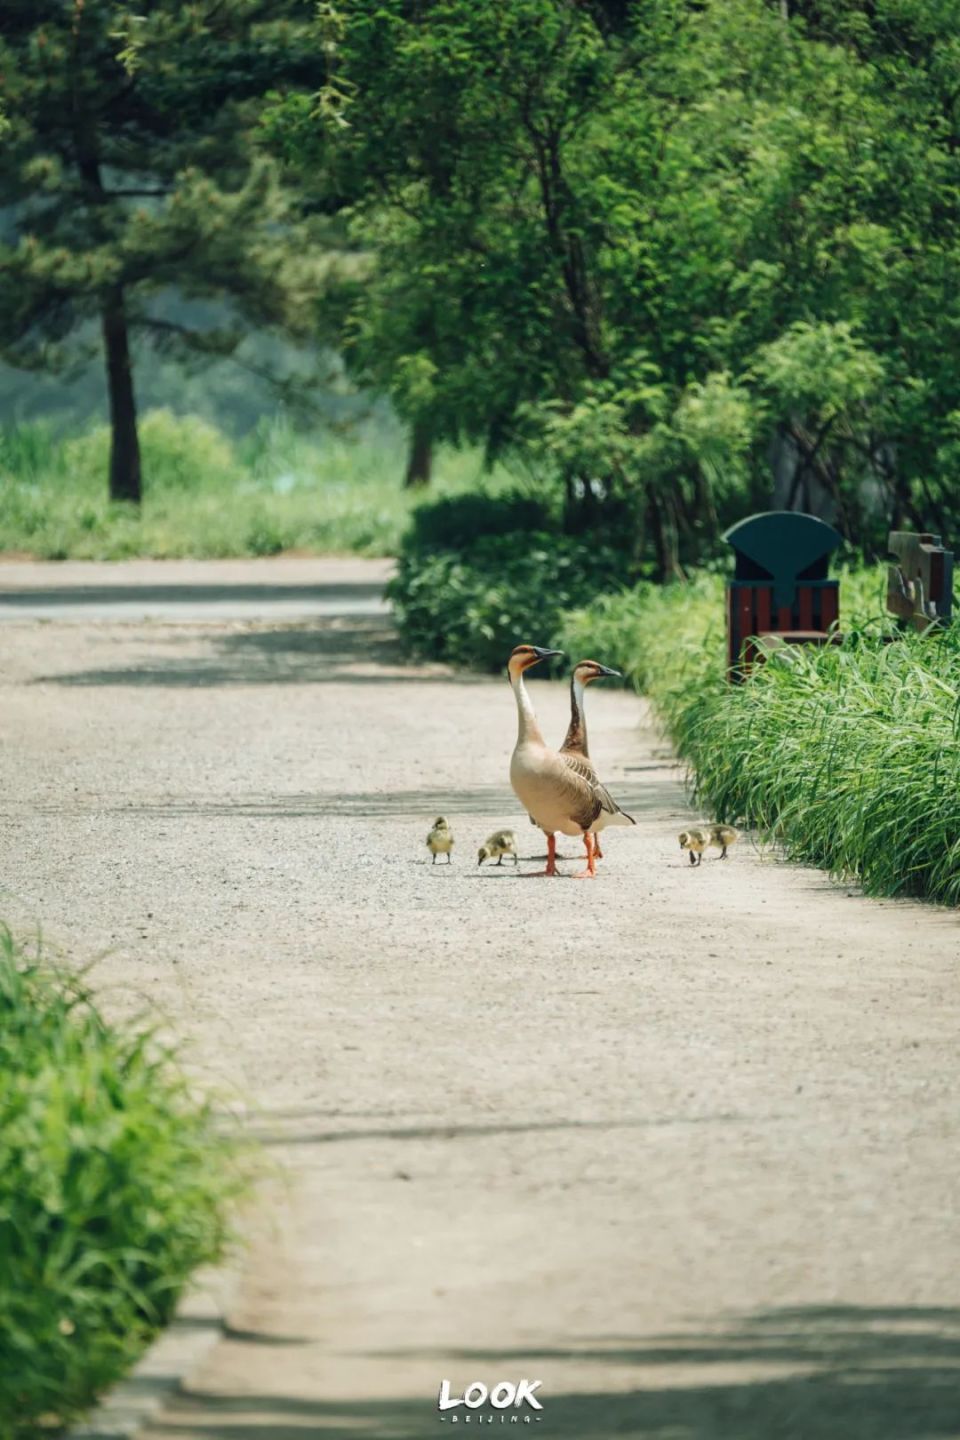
440	840
500	843
722	837
695	839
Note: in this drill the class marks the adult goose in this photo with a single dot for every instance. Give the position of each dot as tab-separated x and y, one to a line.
575	740
560	792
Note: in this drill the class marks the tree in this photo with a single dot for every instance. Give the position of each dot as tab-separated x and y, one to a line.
130	170
651	243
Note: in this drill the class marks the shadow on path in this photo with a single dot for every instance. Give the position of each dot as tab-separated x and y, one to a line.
890	1373
298	654
59	597
473	1132
488	801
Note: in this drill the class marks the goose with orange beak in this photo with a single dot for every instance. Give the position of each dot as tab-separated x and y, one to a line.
575	741
558	791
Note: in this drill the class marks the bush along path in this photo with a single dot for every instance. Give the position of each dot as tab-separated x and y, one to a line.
114	1188
846	755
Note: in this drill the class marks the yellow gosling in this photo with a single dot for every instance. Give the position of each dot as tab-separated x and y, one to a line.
440	840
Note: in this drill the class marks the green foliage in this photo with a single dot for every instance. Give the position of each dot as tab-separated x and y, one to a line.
849	757
177	451
456	522
651	246
206	496
114	1182
657	636
471	606
846	755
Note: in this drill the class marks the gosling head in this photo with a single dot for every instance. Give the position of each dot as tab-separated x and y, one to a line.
523	656
485	853
684	839
588	670
441	824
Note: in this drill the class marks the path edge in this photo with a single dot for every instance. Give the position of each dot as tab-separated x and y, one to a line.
199	1323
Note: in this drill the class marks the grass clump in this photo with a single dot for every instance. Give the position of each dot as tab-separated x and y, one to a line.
207	496
848	755
114	1185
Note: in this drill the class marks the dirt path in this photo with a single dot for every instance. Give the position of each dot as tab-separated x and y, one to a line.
680	1144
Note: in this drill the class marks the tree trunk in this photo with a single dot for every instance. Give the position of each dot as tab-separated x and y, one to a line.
124	442
665	541
420	462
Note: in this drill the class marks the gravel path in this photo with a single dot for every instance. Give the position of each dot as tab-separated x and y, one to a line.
682	1144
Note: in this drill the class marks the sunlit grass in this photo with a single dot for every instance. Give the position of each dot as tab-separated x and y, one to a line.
208	497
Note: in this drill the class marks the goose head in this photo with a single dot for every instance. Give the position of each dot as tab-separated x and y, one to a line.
588	670
523	656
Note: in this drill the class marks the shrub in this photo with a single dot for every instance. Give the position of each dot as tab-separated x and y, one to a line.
113	1186
657	636
455	522
471	608
178	452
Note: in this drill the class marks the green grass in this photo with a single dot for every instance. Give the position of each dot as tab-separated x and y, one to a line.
114	1186
206	496
847	755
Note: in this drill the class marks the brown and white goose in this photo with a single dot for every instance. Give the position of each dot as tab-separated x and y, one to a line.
559	792
575	740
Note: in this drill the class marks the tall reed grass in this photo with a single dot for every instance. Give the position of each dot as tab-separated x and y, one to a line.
847	755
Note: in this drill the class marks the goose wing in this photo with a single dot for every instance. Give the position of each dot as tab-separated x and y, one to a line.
584	770
586	796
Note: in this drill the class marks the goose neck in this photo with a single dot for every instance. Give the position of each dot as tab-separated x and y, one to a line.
527	726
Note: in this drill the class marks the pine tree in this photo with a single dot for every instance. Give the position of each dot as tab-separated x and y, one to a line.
129	170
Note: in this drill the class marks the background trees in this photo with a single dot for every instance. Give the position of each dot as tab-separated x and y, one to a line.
130	172
673	249
685	257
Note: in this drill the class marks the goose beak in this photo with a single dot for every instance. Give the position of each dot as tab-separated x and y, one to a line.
542	654
604	670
